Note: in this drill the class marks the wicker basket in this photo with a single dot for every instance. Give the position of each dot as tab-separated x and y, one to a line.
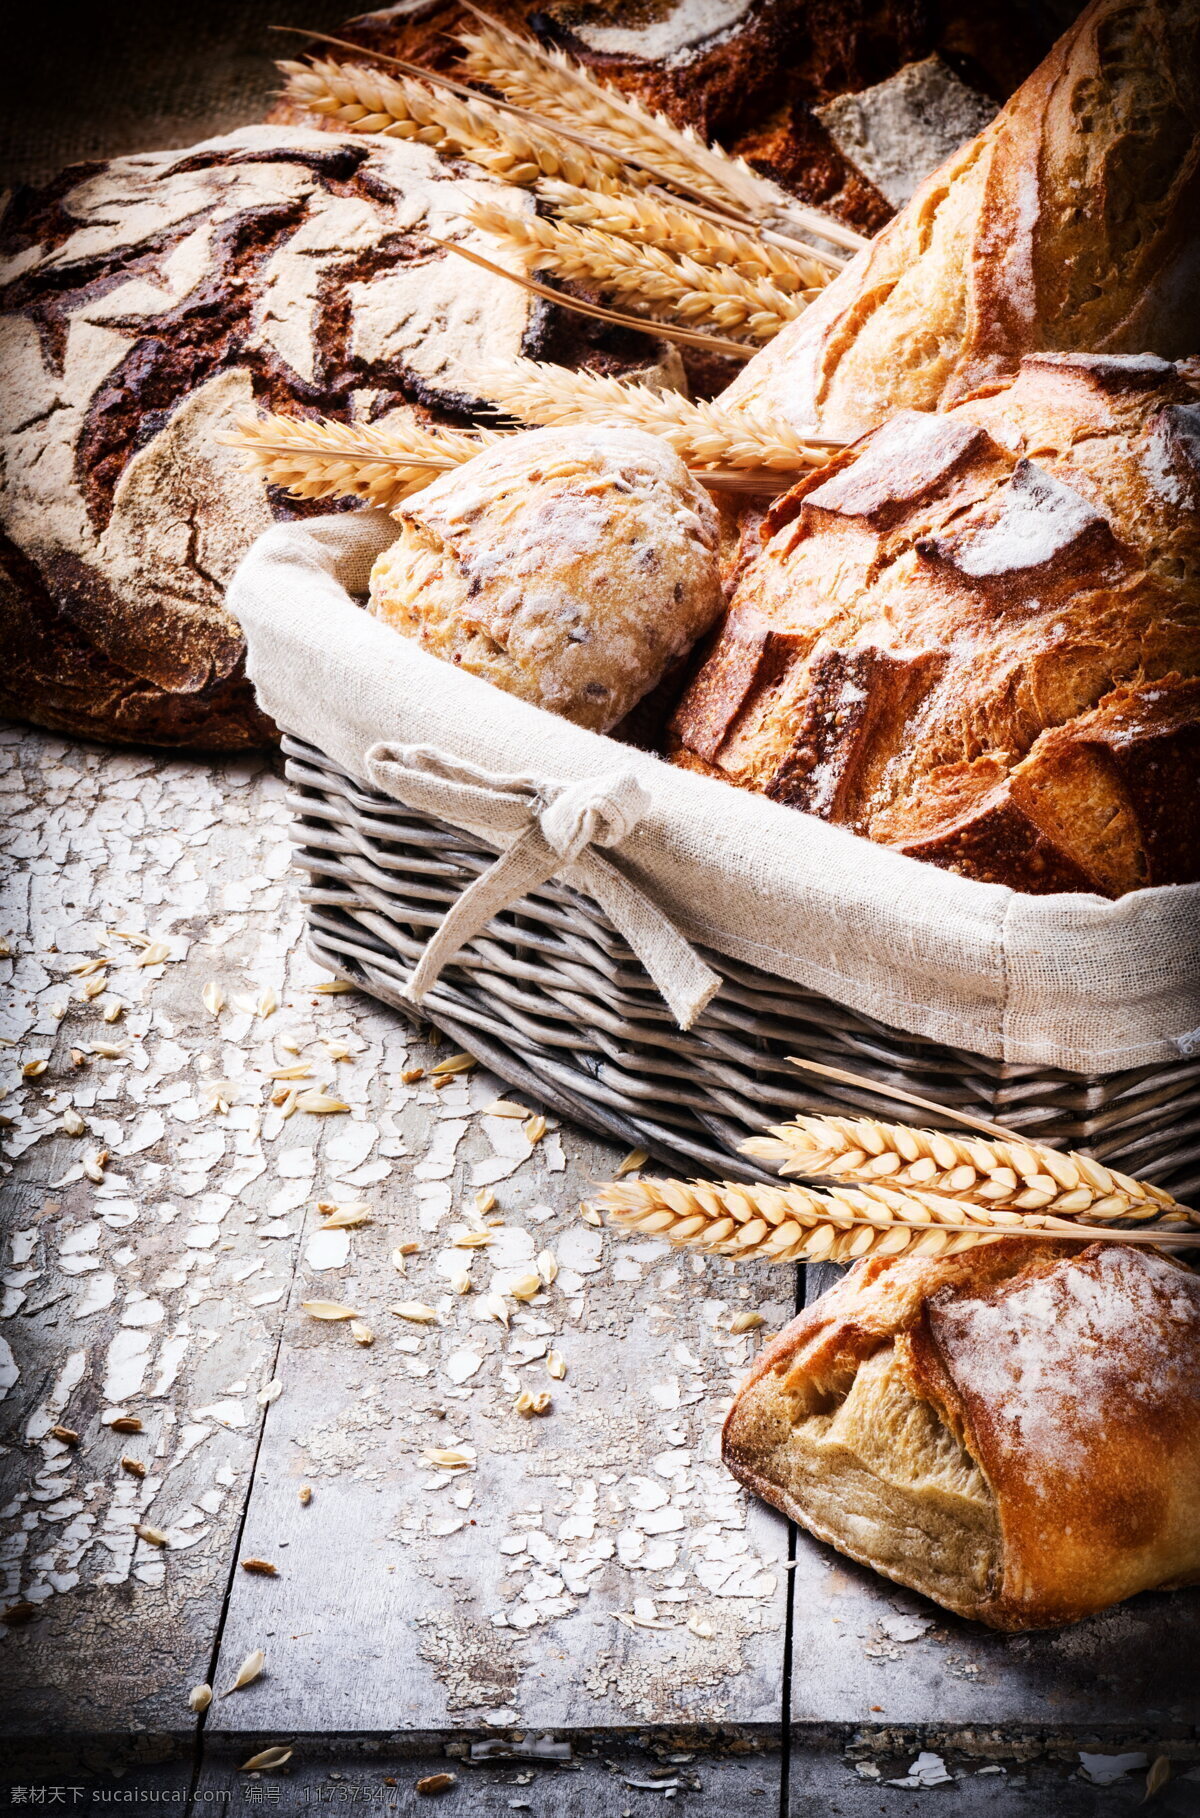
553	1001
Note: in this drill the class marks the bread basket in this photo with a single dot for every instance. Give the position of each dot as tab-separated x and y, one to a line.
650	947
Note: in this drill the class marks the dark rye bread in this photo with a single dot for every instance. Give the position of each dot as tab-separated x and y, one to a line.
976	638
144	305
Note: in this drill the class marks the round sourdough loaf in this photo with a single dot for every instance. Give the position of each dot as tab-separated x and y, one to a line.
977	637
145	304
571	567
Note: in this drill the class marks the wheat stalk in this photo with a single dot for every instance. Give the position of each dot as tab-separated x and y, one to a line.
1012	1176
436	114
794	1224
636	215
667	331
703	435
322	460
648	275
549	82
317	459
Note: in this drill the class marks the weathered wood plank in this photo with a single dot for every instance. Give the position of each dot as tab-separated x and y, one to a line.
158	1291
519	1590
867	1651
597	1779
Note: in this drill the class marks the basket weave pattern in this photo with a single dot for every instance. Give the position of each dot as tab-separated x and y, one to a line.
553	1001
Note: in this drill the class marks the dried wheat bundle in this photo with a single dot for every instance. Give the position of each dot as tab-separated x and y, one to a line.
645	275
794	1224
1014	1175
550	83
635	215
704	435
363	100
323	460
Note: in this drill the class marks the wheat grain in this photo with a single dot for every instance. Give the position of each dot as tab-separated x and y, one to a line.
637	216
316	459
795	1224
646	275
671	331
549	82
704	435
363	100
1008	1177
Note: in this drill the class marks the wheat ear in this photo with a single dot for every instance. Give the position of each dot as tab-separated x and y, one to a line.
794	1224
549	82
634	215
645	275
322	460
702	435
363	100
1014	1176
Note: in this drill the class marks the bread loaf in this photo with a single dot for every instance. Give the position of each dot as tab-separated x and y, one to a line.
1014	1432
144	305
1069	223
569	567
977	638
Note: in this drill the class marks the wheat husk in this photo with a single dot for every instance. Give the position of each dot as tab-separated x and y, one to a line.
647	276
797	1224
635	215
364	100
317	459
1009	1177
548	82
704	435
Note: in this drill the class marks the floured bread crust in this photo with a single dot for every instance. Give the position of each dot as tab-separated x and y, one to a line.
145	304
1014	1432
569	567
976	637
1068	223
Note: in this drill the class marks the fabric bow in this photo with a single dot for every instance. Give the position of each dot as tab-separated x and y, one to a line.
558	828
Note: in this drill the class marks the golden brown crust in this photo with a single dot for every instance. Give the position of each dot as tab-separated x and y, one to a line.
976	638
1067	1376
998	254
571	567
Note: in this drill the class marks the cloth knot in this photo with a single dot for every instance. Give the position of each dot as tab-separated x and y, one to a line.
600	813
558	826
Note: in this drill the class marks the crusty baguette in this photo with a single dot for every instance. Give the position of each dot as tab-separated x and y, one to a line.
1069	223
1014	1432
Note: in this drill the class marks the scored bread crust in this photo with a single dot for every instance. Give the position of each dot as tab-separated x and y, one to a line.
976	636
1068	223
1027	1451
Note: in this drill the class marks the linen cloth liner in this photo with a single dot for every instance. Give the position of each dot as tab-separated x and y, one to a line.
1071	981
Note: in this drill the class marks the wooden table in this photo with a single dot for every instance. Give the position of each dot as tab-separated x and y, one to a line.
590	1575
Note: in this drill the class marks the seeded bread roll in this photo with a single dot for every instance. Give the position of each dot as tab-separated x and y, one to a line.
1070	222
570	567
977	637
1014	1432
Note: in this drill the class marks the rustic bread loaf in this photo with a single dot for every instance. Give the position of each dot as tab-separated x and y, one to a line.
1070	222
570	567
144	305
977	638
1014	1432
